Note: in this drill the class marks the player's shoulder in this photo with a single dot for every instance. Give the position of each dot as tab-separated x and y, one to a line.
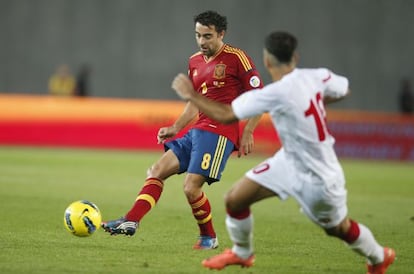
230	48
319	73
234	51
315	71
238	55
198	54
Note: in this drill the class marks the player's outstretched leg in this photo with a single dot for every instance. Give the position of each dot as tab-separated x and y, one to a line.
146	200
120	226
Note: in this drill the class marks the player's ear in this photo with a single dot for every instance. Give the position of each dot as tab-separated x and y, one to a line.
266	59
221	34
295	57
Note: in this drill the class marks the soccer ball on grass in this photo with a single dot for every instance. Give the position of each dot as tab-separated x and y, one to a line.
82	218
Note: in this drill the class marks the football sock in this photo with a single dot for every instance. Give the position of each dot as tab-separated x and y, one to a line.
365	243
353	232
202	213
146	200
240	228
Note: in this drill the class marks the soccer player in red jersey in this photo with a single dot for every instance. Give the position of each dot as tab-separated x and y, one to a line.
219	72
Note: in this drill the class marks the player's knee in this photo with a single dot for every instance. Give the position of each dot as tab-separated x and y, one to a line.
339	231
231	202
191	192
156	171
152	171
188	190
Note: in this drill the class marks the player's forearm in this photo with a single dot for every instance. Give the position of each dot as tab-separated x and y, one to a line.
252	124
217	111
189	113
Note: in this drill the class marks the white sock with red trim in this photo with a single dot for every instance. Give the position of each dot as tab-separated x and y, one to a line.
241	233
367	246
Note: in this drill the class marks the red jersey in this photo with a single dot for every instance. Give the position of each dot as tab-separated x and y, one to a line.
222	78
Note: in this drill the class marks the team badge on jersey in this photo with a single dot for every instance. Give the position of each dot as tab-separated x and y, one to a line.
254	81
220	71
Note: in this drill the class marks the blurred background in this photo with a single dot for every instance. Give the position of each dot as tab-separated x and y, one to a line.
119	58
134	48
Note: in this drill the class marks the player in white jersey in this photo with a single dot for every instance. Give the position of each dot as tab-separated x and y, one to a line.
306	167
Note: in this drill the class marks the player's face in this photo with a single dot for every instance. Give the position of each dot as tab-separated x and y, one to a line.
208	39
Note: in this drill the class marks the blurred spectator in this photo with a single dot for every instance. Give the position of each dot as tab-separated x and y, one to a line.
406	97
62	82
82	81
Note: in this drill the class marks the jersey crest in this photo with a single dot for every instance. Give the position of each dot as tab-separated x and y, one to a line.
220	71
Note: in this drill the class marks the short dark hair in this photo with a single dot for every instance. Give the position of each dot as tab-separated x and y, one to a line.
282	45
212	18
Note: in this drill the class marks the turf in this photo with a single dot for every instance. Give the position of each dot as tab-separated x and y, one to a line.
36	185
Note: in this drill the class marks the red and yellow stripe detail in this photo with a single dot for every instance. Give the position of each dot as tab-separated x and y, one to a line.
241	55
147	197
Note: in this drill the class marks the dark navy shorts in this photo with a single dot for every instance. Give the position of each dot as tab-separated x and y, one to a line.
202	152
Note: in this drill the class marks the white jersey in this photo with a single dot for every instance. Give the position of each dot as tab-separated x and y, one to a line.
295	104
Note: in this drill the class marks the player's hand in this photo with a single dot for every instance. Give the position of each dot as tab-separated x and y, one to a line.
183	86
246	144
165	133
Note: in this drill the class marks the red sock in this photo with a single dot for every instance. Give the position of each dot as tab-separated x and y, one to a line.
202	213
146	200
353	233
239	215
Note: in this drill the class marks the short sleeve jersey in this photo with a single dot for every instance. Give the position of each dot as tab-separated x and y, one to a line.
295	104
222	78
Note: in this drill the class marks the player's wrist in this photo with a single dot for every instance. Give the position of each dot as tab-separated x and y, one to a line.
174	129
248	131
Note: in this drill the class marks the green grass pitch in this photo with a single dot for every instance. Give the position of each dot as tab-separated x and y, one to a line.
37	184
